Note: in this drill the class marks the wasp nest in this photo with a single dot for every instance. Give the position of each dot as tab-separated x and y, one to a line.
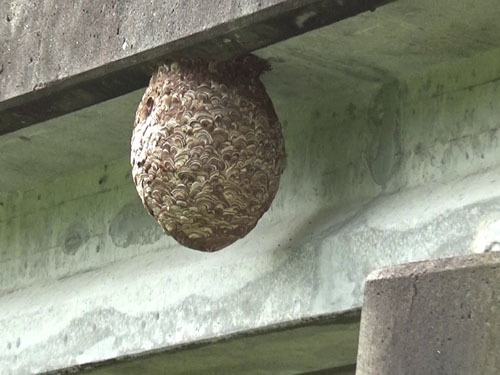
207	150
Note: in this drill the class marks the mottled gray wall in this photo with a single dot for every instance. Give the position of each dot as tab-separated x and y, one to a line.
401	170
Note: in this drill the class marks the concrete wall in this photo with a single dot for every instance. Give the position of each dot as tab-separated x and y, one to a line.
401	170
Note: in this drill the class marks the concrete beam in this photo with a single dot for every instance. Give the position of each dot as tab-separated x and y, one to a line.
48	69
433	317
321	344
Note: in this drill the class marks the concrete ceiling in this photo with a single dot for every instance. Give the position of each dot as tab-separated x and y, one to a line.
349	58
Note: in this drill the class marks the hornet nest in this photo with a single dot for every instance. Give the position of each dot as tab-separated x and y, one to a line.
207	150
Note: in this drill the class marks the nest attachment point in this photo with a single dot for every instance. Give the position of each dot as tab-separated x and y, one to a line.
207	150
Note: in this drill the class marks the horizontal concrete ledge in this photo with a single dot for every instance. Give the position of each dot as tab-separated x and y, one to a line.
416	269
324	344
344	370
65	78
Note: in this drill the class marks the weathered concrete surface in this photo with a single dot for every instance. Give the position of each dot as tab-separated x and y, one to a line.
392	157
342	63
327	342
435	317
86	273
111	48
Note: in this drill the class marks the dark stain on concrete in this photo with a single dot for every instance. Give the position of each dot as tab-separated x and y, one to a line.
351	110
103	179
384	153
75	237
133	226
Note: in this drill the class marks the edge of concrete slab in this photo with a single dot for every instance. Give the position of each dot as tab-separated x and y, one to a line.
345	318
414	269
343	370
54	94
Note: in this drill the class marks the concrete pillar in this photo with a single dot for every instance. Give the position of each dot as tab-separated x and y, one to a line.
433	317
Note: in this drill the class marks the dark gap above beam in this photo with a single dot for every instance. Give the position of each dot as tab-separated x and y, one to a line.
342	370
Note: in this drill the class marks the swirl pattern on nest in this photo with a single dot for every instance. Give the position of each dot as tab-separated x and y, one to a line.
207	150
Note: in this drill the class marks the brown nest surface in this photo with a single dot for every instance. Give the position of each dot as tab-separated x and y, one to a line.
207	150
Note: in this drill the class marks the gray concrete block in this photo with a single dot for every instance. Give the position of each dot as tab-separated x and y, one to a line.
437	317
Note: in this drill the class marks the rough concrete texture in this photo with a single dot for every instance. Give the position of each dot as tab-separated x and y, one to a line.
438	317
292	348
48	69
391	158
50	40
87	276
343	63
